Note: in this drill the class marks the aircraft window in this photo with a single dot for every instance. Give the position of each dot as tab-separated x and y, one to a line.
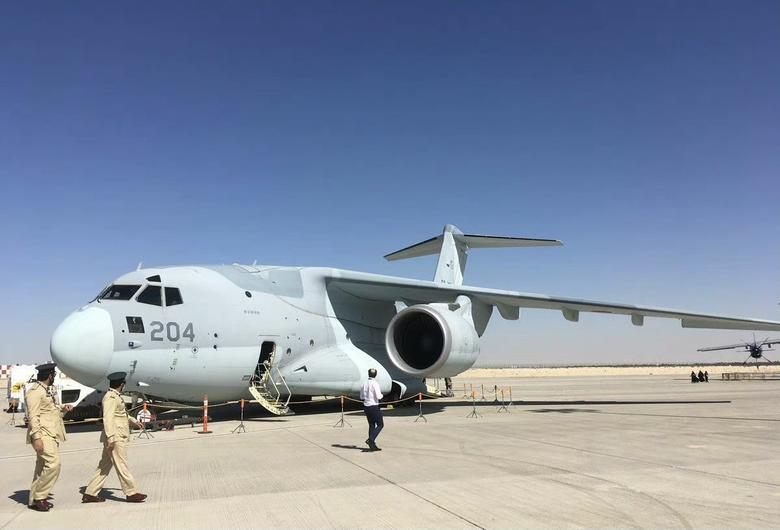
155	278
173	296
152	295
70	396
119	292
135	324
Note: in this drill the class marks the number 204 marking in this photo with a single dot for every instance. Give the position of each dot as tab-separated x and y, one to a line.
172	331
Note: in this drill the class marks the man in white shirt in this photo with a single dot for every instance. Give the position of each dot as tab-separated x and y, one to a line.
371	394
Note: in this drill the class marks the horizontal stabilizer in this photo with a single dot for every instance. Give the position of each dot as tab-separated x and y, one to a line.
433	245
453	247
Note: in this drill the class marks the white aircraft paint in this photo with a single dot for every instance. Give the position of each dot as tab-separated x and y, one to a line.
328	326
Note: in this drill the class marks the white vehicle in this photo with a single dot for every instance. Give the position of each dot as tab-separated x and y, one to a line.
231	331
69	391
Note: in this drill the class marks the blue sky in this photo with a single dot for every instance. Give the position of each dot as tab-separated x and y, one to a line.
644	135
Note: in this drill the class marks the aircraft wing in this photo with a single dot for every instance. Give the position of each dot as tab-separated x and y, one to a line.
729	347
388	288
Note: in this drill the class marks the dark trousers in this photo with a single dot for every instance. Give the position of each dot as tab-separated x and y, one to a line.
375	421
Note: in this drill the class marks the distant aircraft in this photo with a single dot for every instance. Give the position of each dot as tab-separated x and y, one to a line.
754	349
231	331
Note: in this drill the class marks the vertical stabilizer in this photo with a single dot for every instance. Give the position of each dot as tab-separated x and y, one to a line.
453	246
452	257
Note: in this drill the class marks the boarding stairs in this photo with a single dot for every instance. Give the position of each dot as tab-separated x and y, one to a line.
270	390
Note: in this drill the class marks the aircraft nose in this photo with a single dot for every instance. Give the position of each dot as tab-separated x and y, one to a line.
82	345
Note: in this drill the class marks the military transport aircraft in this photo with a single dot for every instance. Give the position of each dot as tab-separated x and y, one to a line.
231	331
755	349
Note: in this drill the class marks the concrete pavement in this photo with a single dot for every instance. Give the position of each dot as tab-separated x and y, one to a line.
573	452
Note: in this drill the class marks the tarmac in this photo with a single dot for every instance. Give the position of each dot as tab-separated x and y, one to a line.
572	452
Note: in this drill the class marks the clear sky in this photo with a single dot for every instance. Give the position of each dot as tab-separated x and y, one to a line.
643	134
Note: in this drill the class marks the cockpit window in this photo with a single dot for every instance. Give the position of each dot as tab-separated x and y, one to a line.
152	295
119	292
172	296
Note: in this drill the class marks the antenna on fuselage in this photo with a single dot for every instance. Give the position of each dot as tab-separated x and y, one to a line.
254	263
140	266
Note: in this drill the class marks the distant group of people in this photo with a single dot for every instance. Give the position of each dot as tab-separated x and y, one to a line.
701	377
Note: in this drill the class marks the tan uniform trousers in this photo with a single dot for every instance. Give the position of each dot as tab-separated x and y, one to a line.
47	470
117	459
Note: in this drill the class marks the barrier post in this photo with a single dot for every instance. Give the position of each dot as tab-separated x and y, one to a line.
495	393
502	408
240	428
482	386
510	396
474	413
205	429
420	415
342	421
465	392
144	432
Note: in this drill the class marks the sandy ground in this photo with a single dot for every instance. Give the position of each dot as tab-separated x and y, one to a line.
583	371
572	452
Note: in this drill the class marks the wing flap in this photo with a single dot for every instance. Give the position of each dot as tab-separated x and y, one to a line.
377	287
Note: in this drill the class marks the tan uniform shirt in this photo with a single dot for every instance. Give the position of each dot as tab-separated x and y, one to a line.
116	421
44	414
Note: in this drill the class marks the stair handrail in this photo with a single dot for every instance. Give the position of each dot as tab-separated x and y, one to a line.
286	386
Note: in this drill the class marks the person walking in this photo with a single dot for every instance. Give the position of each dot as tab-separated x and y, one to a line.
115	435
45	432
371	394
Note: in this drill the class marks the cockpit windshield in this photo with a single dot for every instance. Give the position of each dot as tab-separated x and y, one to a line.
118	292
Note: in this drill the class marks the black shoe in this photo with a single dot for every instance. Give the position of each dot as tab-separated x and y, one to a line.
136	497
39	506
91	498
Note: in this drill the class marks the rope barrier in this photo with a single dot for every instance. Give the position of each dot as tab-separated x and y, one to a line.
502	408
146	417
342	421
420	415
472	394
240	428
474	414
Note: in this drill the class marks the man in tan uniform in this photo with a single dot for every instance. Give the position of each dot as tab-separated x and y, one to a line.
45	431
115	435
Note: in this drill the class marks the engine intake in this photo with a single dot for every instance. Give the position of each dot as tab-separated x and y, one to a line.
433	339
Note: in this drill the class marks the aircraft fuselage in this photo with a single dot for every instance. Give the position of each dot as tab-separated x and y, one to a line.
200	330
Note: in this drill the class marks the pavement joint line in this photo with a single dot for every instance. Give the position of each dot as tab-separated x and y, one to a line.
171	440
389	481
15	517
643	461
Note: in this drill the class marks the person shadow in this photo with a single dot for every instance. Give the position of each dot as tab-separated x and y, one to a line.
107	493
21	496
353	447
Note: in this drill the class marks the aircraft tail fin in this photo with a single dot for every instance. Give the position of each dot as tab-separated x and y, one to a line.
453	246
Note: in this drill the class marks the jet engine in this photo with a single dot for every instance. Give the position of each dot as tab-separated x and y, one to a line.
433	339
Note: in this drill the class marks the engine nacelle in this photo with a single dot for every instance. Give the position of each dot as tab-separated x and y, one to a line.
433	339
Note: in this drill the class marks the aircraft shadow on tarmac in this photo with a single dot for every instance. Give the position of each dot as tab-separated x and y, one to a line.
254	413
